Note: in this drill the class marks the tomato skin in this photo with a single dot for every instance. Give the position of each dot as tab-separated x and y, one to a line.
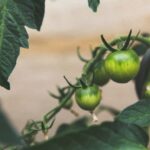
88	98
146	90
68	104
101	77
122	66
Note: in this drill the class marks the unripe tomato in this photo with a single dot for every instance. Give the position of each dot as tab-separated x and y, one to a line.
68	104
88	98
101	77
122	66
146	90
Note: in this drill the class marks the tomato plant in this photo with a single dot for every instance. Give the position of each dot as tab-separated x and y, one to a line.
129	128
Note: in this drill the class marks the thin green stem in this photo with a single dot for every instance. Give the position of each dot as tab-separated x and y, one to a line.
53	112
80	57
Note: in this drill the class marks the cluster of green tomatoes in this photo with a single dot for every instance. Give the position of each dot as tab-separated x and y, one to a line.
120	65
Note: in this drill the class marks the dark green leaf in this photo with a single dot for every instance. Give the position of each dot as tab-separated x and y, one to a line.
14	15
73	127
138	113
143	73
108	136
8	135
32	12
93	4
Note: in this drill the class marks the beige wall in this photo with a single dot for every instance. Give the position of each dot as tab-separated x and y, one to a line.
74	18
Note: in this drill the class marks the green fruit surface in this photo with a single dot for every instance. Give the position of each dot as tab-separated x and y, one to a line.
68	104
122	66
146	90
101	77
88	98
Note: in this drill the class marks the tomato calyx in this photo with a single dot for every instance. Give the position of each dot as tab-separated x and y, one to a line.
83	82
126	45
81	57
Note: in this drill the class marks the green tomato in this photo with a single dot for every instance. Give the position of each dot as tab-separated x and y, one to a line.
68	104
146	90
101	77
88	98
122	66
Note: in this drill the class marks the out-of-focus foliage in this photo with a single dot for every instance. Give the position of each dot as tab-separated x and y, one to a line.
14	16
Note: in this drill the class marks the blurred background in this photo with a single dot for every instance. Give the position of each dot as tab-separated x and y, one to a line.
52	54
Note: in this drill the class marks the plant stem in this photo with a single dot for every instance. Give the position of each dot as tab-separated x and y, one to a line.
74	113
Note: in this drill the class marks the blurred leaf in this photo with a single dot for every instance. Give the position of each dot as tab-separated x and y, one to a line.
140	48
8	135
143	73
108	136
73	127
14	16
93	4
138	113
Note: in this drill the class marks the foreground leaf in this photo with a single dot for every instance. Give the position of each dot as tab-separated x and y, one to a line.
79	124
8	135
93	4
108	136
14	15
138	113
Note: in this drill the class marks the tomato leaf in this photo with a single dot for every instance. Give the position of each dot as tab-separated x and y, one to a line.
14	15
9	135
142	75
108	136
93	4
79	124
138	113
35	9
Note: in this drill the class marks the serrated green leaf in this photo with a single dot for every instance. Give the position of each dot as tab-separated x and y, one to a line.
14	15
32	12
108	136
93	4
138	113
